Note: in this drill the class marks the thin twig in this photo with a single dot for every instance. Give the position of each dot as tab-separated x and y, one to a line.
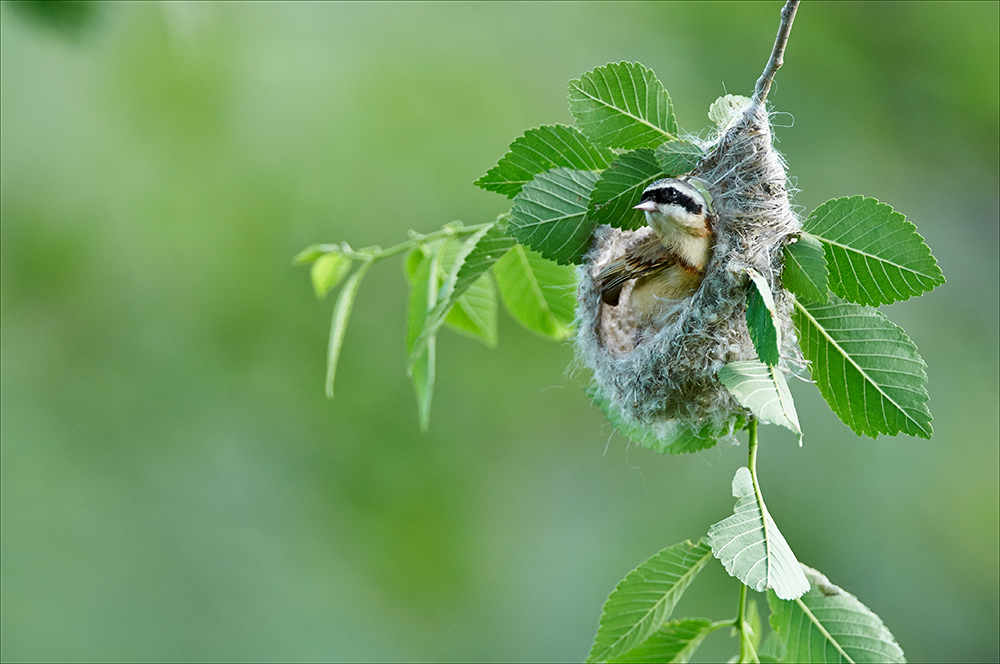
778	53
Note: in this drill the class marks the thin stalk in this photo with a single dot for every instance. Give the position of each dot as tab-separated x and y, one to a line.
777	53
747	652
378	253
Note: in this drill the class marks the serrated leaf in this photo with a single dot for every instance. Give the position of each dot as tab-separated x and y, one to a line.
726	108
750	546
542	149
828	624
622	105
620	187
341	313
673	436
549	215
473	257
475	312
539	294
763	390
762	319
675	641
865	367
805	271
874	254
423	295
644	599
327	271
677	157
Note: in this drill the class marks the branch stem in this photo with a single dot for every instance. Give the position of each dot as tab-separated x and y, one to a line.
778	53
378	253
747	652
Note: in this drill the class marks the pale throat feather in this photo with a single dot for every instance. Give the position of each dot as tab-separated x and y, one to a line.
691	243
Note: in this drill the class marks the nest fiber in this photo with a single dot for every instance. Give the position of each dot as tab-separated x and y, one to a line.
666	373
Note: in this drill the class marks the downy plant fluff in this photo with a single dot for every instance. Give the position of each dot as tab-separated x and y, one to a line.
662	376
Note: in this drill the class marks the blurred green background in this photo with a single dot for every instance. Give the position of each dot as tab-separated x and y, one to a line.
175	485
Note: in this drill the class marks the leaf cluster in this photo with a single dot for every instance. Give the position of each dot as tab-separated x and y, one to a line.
852	255
822	624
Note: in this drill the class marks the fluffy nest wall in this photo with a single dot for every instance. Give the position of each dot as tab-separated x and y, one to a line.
659	375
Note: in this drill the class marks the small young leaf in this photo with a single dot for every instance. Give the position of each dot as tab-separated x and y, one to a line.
622	105
542	149
341	312
540	294
620	187
828	624
309	254
724	109
475	312
327	272
865	367
675	641
472	259
673	436
762	320
751	547
763	390
549	214
423	294
677	157
874	254
645	597
805	269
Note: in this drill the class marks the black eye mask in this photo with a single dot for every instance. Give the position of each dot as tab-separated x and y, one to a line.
668	195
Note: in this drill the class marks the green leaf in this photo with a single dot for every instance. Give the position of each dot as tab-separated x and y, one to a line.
751	547
675	641
542	149
622	105
327	272
540	294
763	390
645	598
677	157
472	259
475	312
805	269
309	254
773	648
865	367
828	624
341	312
752	623
673	436
762	319
620	187
423	295
874	254
727	108
549	214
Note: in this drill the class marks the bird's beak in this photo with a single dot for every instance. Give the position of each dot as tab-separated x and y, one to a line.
646	206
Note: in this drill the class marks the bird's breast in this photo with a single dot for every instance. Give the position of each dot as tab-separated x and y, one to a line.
659	297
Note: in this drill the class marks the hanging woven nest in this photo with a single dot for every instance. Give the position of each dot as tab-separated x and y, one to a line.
661	375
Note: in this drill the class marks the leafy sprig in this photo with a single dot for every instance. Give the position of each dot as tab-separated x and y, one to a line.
852	255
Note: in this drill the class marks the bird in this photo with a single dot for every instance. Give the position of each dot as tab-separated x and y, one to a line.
669	266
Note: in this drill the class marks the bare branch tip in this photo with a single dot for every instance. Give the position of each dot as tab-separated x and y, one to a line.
777	53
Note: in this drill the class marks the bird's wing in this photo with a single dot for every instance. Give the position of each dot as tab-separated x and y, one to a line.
644	259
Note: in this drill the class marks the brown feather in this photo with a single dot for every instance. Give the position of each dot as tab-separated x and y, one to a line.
645	259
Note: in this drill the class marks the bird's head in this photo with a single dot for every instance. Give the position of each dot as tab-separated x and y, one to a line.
673	206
